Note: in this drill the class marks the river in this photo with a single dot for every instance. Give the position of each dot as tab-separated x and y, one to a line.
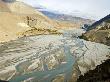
23	51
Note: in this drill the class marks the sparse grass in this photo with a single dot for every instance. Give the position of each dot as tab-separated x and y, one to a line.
37	31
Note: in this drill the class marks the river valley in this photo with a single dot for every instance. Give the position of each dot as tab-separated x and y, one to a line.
49	58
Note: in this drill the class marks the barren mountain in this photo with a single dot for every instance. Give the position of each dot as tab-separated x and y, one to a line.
23	20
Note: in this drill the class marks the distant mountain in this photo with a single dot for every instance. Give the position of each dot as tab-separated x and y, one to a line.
99	31
65	17
60	16
71	21
77	22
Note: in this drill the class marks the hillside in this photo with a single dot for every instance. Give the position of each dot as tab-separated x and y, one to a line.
21	8
23	20
99	31
10	25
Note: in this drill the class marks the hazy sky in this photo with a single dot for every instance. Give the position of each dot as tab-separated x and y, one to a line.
93	8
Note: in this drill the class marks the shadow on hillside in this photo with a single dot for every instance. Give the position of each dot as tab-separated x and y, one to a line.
100	74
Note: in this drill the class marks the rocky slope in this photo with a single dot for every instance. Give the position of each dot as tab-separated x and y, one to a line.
99	31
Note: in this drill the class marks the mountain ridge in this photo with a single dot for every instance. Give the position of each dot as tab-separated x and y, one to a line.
99	22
